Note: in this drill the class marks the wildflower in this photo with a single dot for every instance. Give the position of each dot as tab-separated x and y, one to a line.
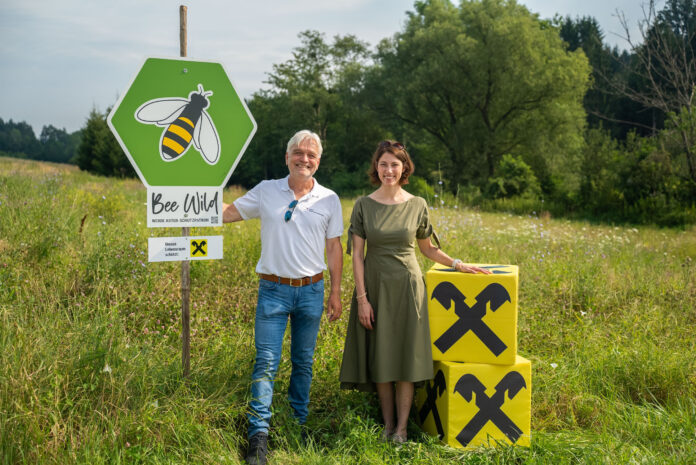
554	365
106	369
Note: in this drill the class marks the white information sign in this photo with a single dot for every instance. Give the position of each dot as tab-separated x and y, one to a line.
172	249
180	206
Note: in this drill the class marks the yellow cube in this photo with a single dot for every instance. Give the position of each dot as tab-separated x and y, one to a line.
477	404
473	317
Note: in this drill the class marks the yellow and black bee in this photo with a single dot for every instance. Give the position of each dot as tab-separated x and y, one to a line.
186	120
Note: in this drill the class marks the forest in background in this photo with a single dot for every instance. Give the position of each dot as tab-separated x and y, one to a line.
499	109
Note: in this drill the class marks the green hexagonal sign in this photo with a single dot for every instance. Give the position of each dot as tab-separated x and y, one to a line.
182	123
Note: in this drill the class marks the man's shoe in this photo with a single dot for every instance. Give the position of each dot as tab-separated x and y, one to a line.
305	436
258	448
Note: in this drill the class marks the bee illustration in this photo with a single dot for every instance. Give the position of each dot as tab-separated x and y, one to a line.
185	120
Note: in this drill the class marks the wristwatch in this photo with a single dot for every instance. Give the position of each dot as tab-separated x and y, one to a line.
455	262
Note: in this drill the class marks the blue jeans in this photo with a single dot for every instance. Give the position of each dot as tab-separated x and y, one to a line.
276	302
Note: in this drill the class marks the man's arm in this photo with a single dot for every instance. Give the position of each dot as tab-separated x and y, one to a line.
334	257
230	214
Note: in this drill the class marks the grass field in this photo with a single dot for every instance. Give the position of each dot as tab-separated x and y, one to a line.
90	368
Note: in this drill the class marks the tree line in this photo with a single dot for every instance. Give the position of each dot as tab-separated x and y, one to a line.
56	145
499	109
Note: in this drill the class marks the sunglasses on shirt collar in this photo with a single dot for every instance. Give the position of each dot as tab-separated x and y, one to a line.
291	209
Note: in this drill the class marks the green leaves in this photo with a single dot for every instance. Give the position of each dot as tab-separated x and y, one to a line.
99	151
482	80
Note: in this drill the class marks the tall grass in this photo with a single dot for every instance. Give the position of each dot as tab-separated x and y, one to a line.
90	368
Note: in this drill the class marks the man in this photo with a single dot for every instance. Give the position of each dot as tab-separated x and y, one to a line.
299	218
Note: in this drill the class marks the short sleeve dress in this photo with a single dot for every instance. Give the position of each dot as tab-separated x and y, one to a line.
398	348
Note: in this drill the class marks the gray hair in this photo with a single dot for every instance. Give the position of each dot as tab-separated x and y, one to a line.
301	136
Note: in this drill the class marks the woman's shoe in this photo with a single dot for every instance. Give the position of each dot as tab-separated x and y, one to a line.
397	438
386	435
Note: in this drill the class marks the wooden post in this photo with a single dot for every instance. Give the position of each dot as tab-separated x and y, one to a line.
182	30
185	265
185	313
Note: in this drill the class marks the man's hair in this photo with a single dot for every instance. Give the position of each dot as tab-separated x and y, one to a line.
301	136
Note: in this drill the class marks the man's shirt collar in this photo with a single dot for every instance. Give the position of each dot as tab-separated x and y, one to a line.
285	185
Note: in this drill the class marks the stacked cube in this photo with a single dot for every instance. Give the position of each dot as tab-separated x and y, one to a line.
481	392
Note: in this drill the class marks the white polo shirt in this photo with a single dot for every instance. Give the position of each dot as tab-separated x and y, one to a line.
294	249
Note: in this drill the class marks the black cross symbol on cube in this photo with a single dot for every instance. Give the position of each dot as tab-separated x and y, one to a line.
470	318
489	407
433	391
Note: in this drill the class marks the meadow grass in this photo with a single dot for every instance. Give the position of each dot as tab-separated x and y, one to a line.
90	368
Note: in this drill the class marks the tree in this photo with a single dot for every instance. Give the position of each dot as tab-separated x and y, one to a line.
603	106
57	145
19	139
320	89
99	151
485	79
665	70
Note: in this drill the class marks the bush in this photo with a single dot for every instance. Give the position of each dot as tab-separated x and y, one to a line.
515	178
419	186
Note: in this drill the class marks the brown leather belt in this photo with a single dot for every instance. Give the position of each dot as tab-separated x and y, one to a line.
294	282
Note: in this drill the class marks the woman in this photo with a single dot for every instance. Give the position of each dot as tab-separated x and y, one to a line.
387	346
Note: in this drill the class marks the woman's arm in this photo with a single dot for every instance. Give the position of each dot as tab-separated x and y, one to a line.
435	254
366	315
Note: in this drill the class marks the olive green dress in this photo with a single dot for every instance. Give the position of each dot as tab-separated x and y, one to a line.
398	348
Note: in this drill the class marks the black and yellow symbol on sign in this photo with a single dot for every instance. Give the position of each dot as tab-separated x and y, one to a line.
199	248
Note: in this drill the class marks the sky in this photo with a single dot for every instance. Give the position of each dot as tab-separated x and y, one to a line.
61	59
